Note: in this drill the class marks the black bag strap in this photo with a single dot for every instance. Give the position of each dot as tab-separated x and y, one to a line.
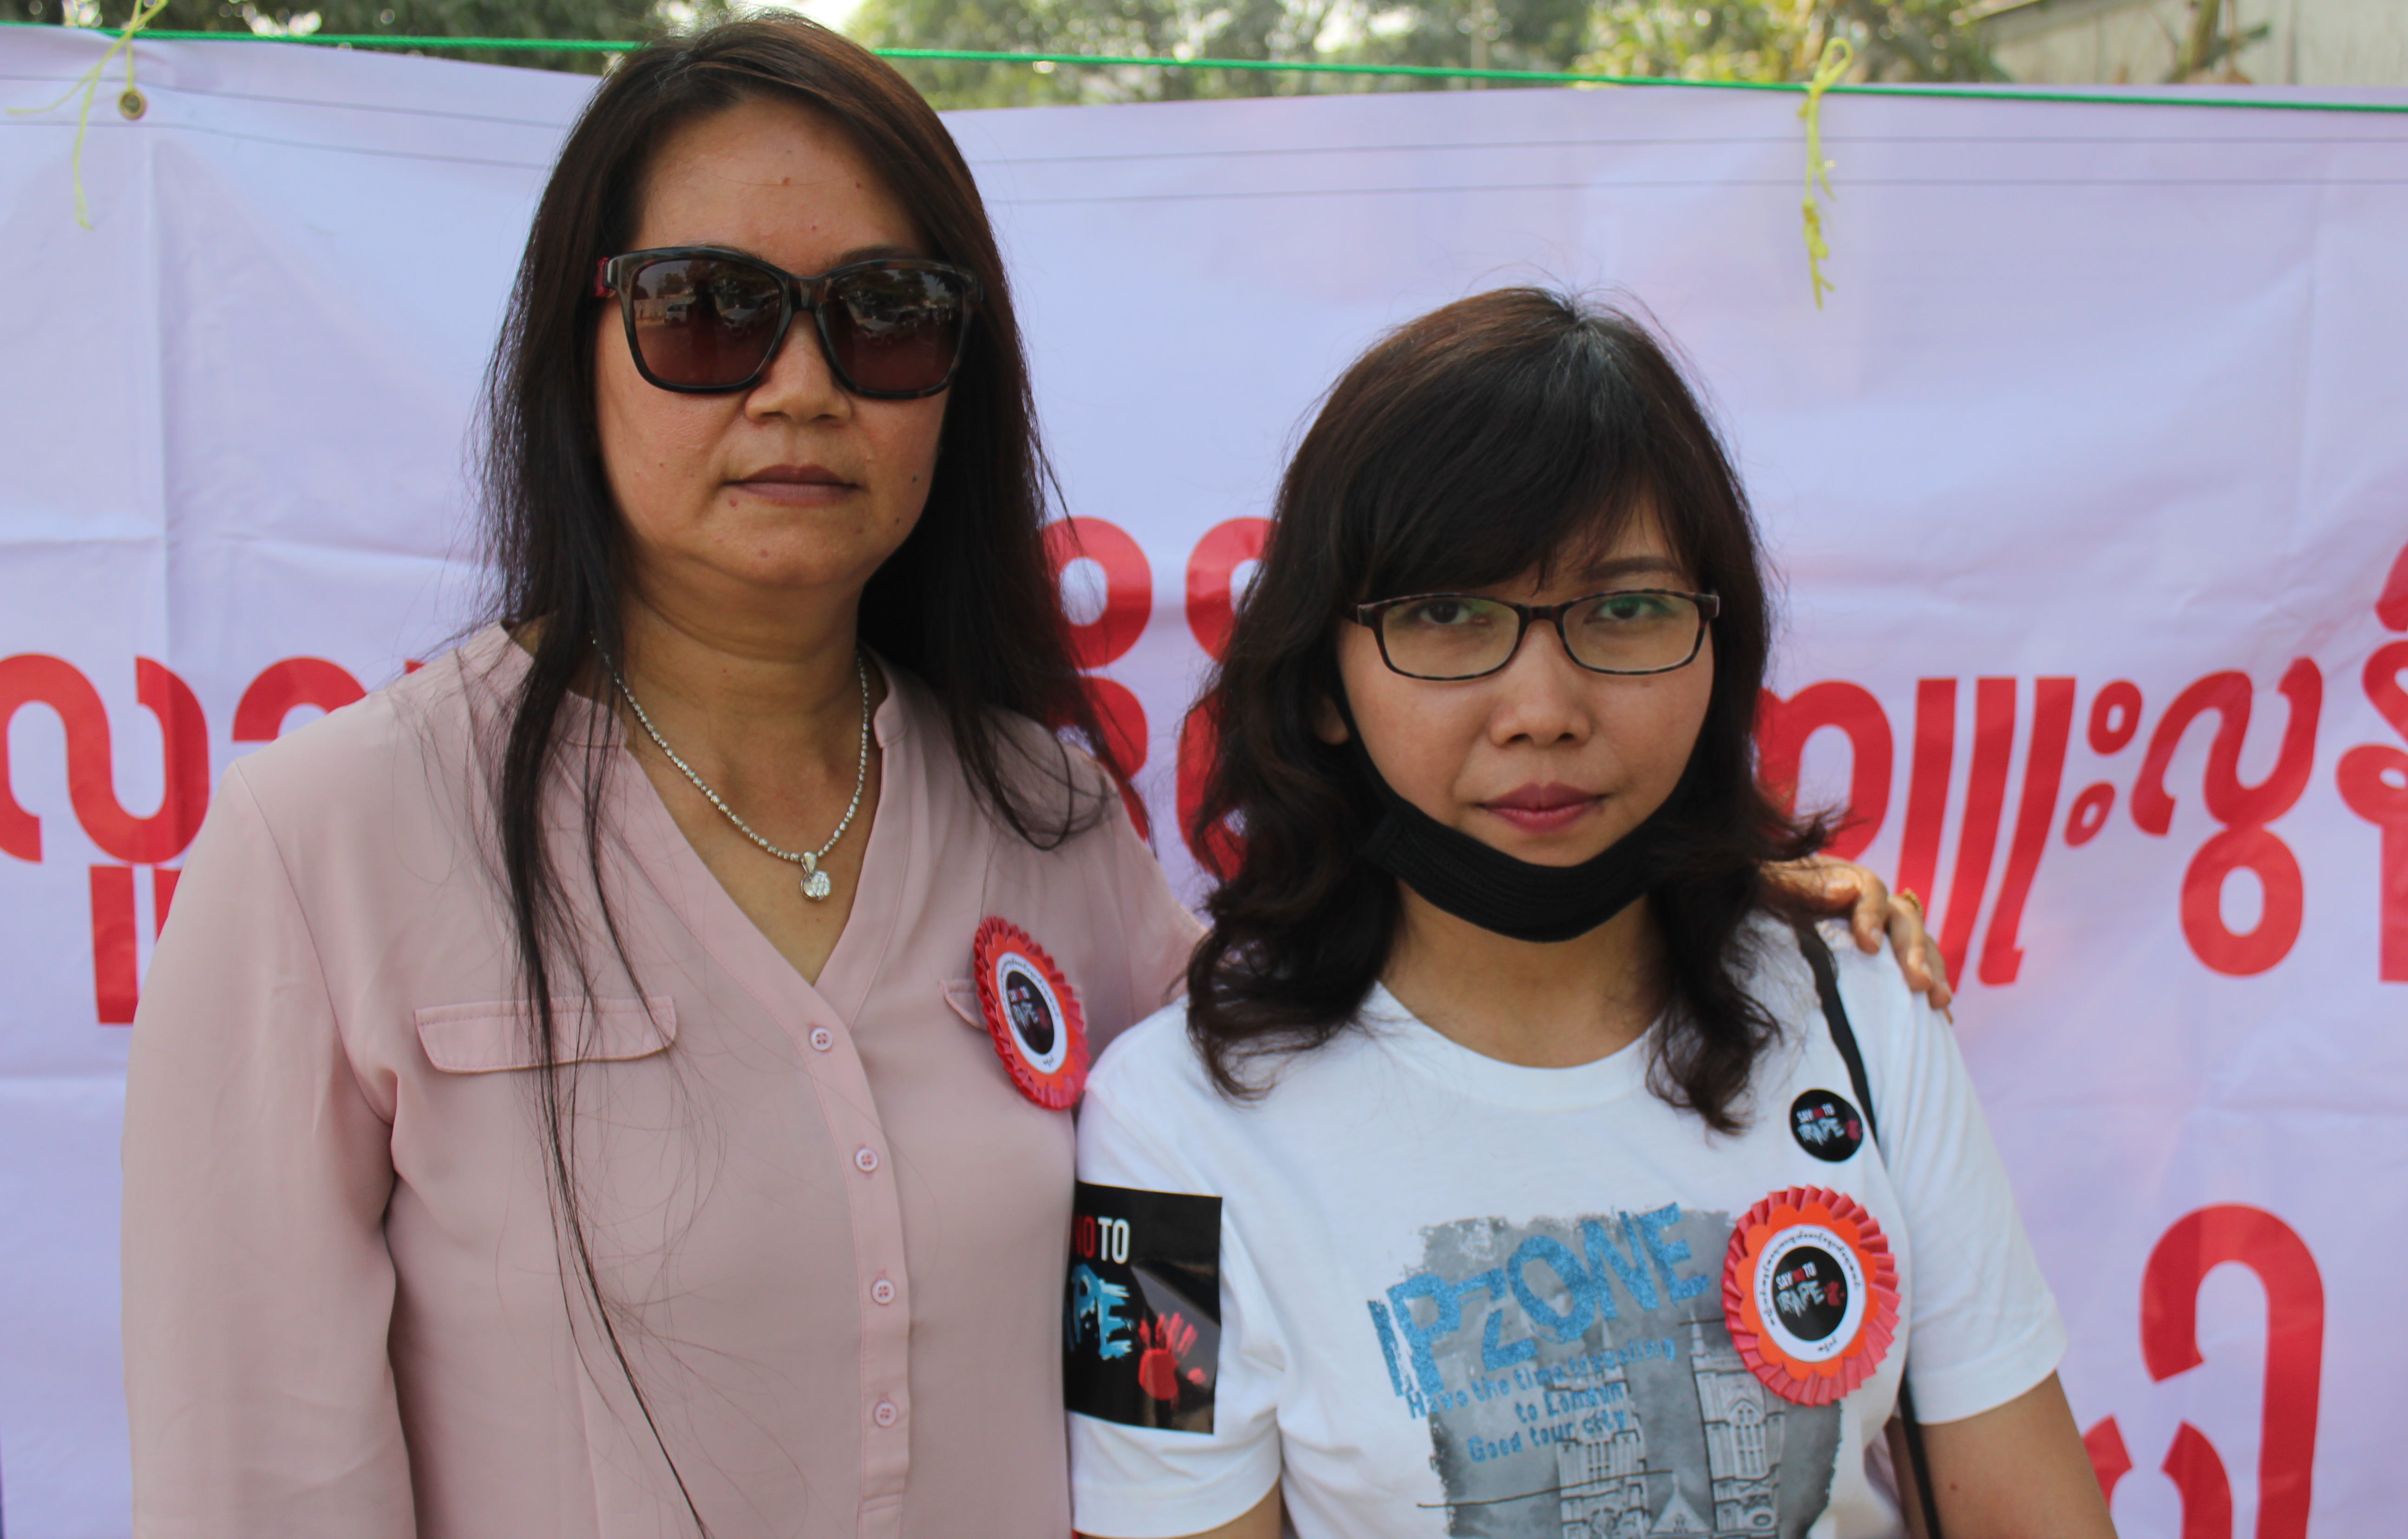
1844	1036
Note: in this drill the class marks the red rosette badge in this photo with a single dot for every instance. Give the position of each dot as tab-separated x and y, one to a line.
1032	1014
1810	1294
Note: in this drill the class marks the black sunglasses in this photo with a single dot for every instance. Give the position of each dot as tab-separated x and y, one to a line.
703	320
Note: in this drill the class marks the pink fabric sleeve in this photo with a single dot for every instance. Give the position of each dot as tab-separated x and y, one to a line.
258	1289
1160	933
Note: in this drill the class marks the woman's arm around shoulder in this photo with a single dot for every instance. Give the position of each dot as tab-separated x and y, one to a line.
258	1289
1836	888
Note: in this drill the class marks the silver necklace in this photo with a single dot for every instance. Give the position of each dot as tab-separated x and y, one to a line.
816	885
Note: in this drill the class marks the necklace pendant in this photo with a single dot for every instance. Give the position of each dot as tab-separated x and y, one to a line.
816	885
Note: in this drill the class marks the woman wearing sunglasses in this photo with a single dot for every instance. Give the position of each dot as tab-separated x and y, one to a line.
1504	1171
615	1080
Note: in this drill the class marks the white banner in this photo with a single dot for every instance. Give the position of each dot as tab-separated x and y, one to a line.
2090	482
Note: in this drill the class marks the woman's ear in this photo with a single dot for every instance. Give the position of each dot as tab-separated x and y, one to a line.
1327	723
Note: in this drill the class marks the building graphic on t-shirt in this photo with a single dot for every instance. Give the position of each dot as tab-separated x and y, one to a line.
1743	1437
1602	1478
1579	1384
1678	1517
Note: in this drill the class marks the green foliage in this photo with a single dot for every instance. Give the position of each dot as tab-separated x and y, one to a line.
1701	39
1542	34
595	19
1185	29
2211	40
1695	39
1772	41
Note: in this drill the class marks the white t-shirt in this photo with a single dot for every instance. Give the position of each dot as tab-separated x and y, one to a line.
1457	1296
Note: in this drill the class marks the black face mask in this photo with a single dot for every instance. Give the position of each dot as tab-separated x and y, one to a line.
1483	885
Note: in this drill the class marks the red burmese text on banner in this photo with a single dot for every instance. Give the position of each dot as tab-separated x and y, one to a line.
2114	720
1213	575
2245	843
2002	959
284	686
1128	587
1785	726
1212	613
34	678
2391	608
1986	796
2196	1245
2373	780
2373	783
1100	642
116	967
115	980
1216	848
1782	728
1927	795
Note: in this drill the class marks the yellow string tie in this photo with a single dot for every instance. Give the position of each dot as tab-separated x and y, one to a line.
130	103
1838	54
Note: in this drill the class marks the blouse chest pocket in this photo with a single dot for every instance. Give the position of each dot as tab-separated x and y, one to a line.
962	994
490	1038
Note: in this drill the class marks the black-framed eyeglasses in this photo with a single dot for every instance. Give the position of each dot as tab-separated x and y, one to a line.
1449	636
702	321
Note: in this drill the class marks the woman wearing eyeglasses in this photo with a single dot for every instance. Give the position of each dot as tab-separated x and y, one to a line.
1504	1171
614	1081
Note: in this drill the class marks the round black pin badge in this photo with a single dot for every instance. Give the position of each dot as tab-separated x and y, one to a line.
1826	1126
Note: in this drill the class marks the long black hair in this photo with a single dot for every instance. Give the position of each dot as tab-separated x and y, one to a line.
1475	444
969	603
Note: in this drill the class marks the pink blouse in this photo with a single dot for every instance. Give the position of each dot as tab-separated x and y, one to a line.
829	1230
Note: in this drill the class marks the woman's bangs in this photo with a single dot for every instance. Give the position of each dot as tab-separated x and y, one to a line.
1544	470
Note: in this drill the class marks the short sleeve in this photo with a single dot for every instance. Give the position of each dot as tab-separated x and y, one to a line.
258	1290
1983	1327
1132	1482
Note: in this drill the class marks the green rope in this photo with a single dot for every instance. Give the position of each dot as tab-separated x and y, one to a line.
1423	72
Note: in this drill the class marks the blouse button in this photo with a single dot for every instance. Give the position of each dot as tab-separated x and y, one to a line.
823	1038
882	1290
885	1414
866	1159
